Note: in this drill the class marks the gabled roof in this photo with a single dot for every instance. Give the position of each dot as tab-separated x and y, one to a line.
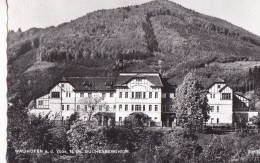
139	67
121	80
218	80
92	83
225	87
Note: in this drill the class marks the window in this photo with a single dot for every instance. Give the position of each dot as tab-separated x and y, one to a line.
217	108
150	94
78	107
120	107
164	108
111	94
68	107
86	107
138	108
55	94
81	94
68	117
93	108
150	107
167	95
171	107
212	120
114	107
67	94
144	94
213	95
126	107
120	94
133	107
156	107
138	94
103	94
40	102
120	120
217	120
226	96
133	95
210	95
100	107
107	107
156	94
155	118
89	94
62	108
126	95
143	107
212	108
62	85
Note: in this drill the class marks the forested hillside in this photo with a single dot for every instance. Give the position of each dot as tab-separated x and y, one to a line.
90	45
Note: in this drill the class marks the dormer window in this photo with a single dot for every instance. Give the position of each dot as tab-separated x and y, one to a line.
219	86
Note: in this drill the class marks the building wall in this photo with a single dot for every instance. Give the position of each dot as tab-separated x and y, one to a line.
68	101
221	109
144	88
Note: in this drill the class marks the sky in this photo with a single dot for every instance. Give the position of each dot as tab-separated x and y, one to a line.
44	13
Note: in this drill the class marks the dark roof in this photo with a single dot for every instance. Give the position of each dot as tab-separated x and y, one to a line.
124	79
241	95
218	80
139	67
92	83
167	87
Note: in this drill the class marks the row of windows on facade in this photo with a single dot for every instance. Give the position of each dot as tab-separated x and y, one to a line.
134	95
139	95
107	108
225	96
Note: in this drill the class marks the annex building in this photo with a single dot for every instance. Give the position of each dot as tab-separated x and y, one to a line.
227	106
139	88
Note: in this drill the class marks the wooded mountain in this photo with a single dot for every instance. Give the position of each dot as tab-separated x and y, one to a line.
90	45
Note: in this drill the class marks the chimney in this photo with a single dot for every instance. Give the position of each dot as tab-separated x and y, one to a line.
160	66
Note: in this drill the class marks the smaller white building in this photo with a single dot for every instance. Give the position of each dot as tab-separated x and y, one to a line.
226	106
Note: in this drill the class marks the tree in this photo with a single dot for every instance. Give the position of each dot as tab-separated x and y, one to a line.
137	119
90	106
191	102
256	121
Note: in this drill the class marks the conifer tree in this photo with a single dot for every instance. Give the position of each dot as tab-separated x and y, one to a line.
191	102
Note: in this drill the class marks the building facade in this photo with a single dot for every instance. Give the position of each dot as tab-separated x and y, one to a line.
227	106
137	89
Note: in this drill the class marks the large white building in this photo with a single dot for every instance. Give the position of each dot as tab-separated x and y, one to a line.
227	106
137	89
